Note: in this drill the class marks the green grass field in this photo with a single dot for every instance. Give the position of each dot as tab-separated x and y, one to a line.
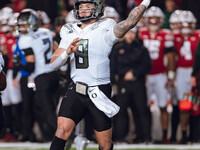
87	149
75	149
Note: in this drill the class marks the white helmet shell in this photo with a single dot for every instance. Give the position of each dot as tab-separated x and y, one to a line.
155	12
175	16
110	12
70	17
188	16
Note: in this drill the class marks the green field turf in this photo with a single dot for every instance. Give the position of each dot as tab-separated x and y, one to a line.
86	149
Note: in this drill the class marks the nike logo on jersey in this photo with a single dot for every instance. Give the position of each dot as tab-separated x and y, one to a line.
91	90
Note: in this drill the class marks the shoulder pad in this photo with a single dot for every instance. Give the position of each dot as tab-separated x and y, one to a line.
166	31
25	42
108	22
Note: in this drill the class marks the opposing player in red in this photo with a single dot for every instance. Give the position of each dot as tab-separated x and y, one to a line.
186	44
175	26
159	43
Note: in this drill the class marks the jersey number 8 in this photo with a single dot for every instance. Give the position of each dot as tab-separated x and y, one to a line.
81	55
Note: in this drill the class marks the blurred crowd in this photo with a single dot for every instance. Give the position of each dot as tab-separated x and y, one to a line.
152	68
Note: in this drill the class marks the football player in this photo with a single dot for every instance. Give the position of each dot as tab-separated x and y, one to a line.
159	43
88	44
11	96
175	21
186	45
37	45
175	26
3	84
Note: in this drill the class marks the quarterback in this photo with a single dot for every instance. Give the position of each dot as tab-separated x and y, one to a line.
88	44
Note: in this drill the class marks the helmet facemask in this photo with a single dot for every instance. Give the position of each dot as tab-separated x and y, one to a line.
188	22
155	18
27	18
96	13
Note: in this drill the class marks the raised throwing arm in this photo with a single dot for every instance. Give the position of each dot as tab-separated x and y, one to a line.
135	15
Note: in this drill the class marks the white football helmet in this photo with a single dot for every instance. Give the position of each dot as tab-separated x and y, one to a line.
175	21
70	17
155	18
12	22
96	13
110	12
27	17
5	14
188	22
43	17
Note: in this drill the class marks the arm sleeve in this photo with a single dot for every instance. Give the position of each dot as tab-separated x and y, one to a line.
110	37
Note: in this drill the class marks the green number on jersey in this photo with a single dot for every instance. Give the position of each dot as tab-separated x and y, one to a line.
81	55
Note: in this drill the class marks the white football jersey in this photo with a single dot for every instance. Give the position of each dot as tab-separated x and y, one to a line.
42	44
90	63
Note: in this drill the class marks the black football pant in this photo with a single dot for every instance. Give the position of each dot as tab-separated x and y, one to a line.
2	121
45	104
133	95
27	108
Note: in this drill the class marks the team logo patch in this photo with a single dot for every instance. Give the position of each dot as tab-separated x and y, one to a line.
121	51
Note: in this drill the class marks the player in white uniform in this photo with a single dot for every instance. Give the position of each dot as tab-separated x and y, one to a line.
88	44
37	45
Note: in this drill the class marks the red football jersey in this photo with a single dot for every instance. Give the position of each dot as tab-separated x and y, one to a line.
186	49
156	44
10	46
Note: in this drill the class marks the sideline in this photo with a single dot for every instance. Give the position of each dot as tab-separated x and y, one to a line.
116	146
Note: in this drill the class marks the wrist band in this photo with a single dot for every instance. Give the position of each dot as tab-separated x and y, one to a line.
146	3
171	74
64	55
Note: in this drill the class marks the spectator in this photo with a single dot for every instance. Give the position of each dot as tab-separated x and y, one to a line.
170	6
130	61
